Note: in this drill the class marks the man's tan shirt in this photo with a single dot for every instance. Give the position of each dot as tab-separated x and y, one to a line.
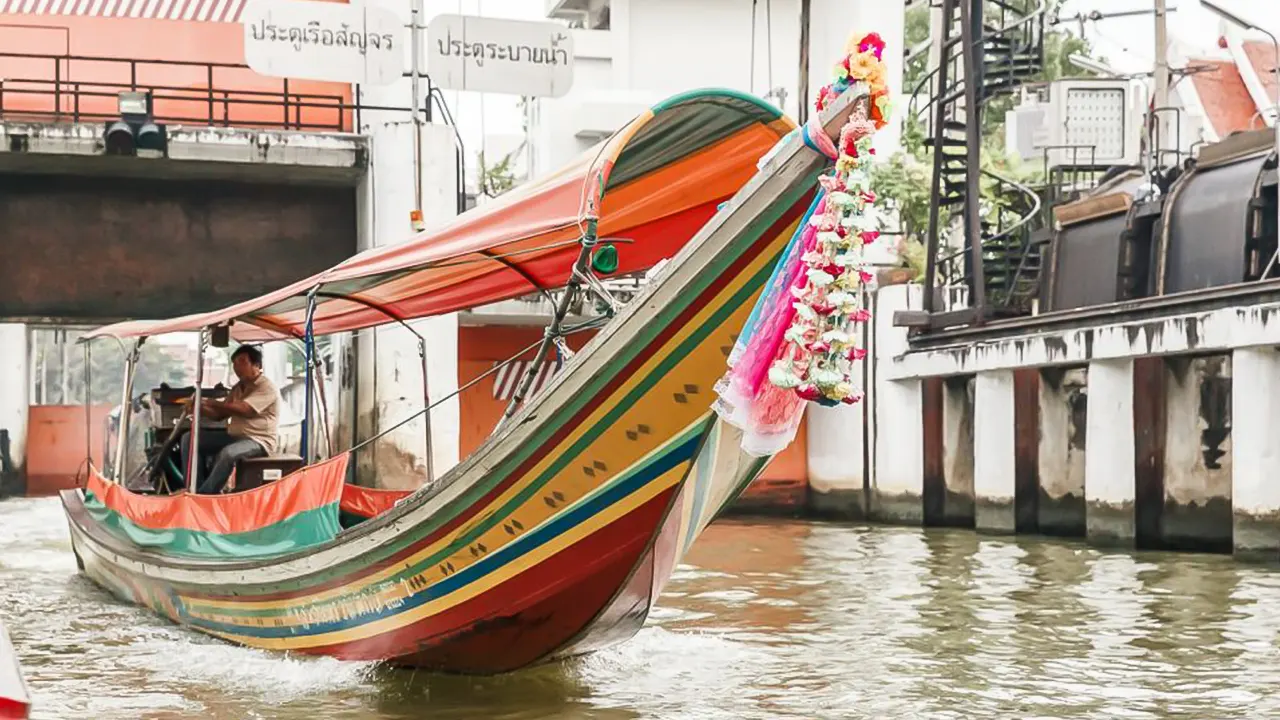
263	428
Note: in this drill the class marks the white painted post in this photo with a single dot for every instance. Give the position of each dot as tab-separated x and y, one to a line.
389	384
898	482
835	459
390	387
994	453
1110	484
14	400
1255	415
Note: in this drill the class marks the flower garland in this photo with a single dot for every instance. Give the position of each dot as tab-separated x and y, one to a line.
820	346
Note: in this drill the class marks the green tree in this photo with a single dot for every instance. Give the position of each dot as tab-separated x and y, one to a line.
498	177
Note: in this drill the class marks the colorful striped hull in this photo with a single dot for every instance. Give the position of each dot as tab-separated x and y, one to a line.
557	535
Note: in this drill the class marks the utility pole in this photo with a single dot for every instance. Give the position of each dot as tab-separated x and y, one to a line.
1161	99
802	114
416	13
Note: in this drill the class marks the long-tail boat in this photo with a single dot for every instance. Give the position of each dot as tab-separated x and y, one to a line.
557	535
15	702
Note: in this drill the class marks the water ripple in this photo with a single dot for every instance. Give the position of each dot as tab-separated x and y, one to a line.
766	620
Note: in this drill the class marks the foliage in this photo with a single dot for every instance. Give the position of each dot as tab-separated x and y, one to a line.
916	32
497	178
904	179
156	364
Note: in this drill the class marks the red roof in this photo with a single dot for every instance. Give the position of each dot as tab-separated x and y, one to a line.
1227	103
1262	55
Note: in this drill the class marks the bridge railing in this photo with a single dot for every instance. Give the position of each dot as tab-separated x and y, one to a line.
72	88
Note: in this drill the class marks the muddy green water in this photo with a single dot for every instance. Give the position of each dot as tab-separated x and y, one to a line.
766	620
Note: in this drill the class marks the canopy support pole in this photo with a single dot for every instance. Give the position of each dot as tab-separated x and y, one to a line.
324	407
421	354
426	404
309	344
193	436
126	403
88	411
581	267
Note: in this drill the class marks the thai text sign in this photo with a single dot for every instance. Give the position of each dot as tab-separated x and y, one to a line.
324	41
516	57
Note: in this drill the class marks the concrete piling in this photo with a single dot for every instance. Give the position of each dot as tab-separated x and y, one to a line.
1255	416
1109	457
994	454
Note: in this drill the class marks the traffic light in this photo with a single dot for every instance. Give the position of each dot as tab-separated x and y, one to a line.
135	130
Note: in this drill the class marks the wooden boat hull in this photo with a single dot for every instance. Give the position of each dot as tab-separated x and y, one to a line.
557	535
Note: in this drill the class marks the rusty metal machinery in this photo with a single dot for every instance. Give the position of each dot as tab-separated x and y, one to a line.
1218	223
1089	256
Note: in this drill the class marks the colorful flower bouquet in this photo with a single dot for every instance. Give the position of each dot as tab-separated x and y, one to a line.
801	340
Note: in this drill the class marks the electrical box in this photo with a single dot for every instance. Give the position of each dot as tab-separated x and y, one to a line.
1088	121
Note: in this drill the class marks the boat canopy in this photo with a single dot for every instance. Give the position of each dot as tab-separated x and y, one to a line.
650	187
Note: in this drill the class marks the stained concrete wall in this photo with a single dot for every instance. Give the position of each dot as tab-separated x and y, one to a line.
96	248
1196	508
838	448
1063	433
948	420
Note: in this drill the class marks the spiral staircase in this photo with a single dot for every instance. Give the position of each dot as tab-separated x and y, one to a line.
988	48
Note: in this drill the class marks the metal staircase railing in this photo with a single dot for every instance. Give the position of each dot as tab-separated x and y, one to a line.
989	48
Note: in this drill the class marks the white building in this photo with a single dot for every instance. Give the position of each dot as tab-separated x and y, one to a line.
631	54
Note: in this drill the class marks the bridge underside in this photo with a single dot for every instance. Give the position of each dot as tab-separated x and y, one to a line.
99	248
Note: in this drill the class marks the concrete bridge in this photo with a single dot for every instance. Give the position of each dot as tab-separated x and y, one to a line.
257	183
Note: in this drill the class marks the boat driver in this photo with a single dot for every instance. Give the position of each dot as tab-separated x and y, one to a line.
252	407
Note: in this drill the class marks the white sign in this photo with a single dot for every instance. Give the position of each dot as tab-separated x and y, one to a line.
324	41
516	57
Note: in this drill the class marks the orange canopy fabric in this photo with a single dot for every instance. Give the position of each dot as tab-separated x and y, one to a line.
651	187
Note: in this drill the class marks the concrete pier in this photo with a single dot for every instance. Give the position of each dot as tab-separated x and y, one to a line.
1109	462
1063	406
1148	433
994	454
1255	416
389	385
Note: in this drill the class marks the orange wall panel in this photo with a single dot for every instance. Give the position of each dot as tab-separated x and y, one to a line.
56	444
72	74
783	487
479	349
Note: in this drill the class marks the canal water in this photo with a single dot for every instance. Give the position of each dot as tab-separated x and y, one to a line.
766	620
